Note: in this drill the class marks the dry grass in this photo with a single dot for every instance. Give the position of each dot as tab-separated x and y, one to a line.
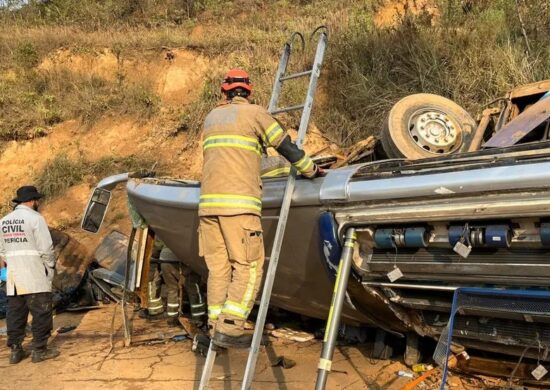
32	100
470	56
61	173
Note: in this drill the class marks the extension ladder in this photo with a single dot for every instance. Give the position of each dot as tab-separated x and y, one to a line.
273	259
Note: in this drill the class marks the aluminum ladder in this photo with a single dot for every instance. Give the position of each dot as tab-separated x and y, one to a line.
273	259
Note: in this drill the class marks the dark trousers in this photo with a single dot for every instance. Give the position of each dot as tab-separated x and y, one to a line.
40	306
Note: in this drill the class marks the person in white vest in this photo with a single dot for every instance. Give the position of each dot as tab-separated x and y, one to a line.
27	251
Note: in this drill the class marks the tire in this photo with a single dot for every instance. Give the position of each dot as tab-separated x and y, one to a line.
425	125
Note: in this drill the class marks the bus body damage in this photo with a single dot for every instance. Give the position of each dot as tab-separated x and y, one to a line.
424	228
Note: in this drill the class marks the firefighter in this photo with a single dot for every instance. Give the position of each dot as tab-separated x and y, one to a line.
230	232
174	273
26	247
154	283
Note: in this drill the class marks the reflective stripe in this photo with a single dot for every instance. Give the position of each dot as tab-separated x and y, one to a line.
198	314
149	307
242	309
250	285
325	364
172	313
154	300
214	311
277	172
304	164
173	305
198	305
235	309
234	201
232	141
273	132
27	252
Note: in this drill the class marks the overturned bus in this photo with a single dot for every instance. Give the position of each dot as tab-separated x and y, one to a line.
479	218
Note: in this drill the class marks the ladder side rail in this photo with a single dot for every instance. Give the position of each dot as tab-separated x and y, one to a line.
208	366
277	84
308	105
285	209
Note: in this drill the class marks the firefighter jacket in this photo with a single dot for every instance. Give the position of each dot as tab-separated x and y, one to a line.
234	136
26	246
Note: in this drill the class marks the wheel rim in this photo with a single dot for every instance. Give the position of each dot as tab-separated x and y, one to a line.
435	131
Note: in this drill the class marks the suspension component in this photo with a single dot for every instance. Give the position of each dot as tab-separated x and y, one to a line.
413	237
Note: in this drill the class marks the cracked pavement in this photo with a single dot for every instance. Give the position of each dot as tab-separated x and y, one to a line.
86	362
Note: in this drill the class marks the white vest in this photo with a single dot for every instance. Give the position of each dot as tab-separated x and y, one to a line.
26	246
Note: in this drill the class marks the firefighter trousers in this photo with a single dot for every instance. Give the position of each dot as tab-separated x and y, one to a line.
171	276
233	249
154	300
40	307
192	285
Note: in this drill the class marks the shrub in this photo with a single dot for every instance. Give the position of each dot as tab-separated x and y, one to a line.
61	173
26	56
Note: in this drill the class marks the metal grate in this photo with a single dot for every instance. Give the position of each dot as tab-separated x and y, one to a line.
525	302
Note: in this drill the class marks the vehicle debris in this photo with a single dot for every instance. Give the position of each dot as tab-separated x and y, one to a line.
284	362
290	334
405	374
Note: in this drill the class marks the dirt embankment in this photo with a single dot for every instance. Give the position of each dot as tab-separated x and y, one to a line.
177	77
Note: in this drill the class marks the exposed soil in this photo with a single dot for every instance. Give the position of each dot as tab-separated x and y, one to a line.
176	75
391	13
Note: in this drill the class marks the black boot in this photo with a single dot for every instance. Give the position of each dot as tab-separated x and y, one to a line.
41	354
226	341
17	354
201	343
173	322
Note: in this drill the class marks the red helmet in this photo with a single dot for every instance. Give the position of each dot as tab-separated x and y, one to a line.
236	78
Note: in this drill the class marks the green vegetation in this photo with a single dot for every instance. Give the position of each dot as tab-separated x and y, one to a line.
470	51
32	99
62	172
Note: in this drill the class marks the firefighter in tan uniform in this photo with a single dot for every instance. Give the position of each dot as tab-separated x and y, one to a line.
230	232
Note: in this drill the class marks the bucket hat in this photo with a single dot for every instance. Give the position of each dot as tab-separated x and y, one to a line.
27	193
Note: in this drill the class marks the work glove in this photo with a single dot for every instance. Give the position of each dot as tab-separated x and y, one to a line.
317	172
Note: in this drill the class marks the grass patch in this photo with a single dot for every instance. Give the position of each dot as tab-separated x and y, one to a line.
61	173
33	100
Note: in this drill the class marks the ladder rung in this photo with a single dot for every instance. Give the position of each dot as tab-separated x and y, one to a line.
296	75
287	109
270	217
